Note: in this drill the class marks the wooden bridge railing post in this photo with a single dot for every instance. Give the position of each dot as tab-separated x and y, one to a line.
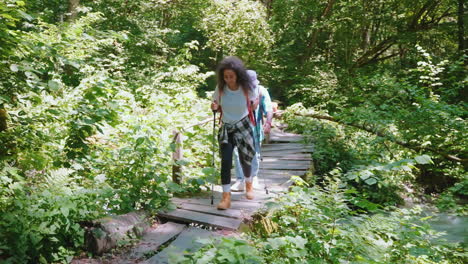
177	156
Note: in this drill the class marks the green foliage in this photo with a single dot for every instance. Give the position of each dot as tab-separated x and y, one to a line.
88	109
452	198
315	225
318	89
89	135
224	250
385	113
41	223
238	28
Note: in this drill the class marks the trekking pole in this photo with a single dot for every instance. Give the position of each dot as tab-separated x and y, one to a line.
264	178
257	129
213	162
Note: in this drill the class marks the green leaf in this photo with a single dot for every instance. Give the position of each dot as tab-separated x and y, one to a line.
139	141
423	159
365	174
371	181
14	67
53	85
65	211
351	175
23	14
183	162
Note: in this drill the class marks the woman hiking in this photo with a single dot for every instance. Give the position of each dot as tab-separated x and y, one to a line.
235	97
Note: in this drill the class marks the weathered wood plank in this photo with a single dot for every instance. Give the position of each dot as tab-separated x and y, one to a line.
279	133
234	213
156	237
292	157
201	218
280	173
278	147
284	165
185	242
286	156
269	181
286	139
284	152
270	161
248	206
282	144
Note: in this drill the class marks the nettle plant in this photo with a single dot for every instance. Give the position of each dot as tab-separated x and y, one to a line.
429	73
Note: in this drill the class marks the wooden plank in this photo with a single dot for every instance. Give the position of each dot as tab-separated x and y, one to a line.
282	144
259	196
286	138
185	242
233	213
276	161
284	166
285	156
293	150
298	157
286	146
280	133
269	181
280	173
278	147
156	237
248	206
267	153
201	218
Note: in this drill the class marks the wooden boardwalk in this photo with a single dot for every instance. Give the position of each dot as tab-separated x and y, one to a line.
280	161
195	217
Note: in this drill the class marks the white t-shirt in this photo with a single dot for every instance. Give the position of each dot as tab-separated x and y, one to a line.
233	103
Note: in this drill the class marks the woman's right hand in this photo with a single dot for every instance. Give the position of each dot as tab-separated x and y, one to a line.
214	106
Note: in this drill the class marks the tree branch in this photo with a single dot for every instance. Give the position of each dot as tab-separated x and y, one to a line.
381	133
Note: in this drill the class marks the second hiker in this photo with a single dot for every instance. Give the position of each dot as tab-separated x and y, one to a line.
264	109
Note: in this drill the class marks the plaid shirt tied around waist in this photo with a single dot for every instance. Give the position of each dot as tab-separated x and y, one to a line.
242	136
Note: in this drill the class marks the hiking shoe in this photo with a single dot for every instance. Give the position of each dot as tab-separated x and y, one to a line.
238	186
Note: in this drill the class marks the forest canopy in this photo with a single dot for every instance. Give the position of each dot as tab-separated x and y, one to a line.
91	92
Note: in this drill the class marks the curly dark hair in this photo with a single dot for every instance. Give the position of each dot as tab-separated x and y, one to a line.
235	64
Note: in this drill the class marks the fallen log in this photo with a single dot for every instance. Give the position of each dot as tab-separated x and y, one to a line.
103	234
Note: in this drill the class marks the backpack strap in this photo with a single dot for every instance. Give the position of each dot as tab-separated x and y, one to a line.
249	109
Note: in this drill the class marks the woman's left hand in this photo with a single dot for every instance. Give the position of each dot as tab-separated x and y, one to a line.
267	128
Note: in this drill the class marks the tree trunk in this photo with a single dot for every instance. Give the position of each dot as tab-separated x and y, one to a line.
72	10
461	26
105	233
313	39
366	28
3	119
268	6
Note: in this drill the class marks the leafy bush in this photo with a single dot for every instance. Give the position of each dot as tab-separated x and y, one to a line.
223	250
41	223
88	136
315	225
